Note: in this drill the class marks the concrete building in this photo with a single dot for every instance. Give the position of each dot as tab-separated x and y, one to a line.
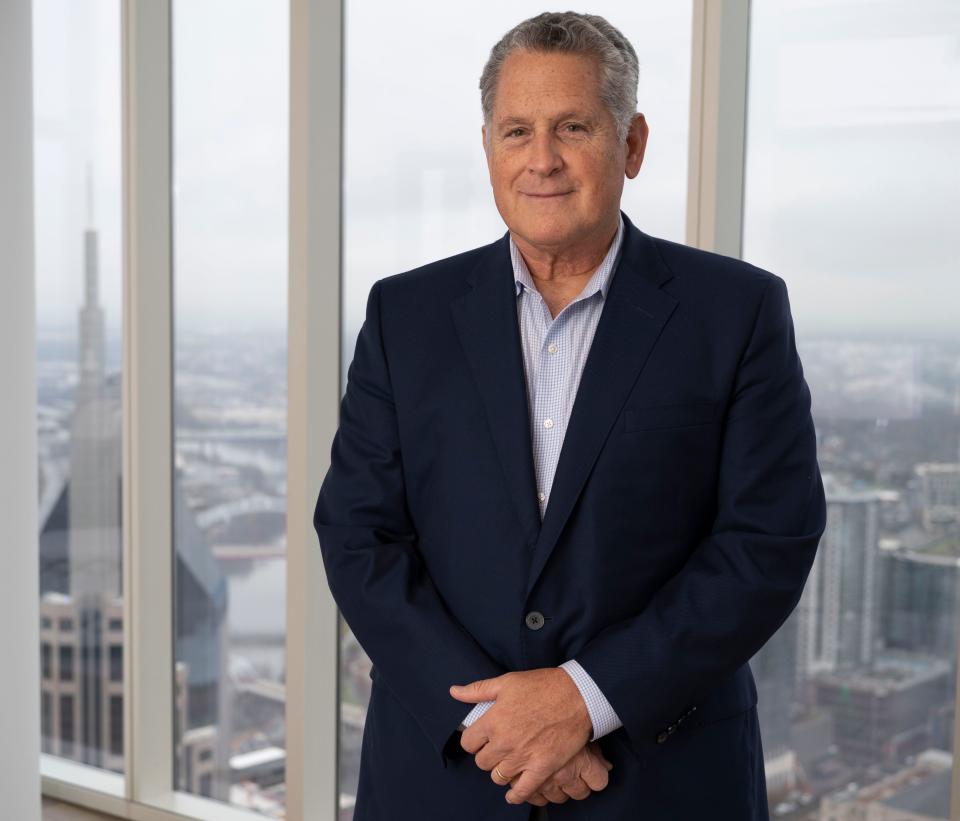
904	705
939	494
837	613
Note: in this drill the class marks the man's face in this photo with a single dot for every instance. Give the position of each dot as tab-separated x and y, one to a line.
556	163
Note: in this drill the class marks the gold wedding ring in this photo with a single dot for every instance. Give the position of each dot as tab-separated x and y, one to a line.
500	774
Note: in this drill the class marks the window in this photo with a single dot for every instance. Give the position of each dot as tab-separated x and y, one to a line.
46	720
66	662
77	197
229	486
850	189
46	660
116	725
116	662
67	722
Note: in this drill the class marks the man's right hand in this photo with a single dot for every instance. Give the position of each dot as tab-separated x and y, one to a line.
586	772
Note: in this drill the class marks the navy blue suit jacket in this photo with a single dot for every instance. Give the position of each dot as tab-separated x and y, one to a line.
685	513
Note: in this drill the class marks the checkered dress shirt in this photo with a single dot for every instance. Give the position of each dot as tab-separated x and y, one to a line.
554	352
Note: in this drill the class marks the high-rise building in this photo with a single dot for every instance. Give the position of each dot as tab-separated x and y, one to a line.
920	596
837	627
939	494
81	606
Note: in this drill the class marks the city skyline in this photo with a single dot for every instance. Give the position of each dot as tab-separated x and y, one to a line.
876	619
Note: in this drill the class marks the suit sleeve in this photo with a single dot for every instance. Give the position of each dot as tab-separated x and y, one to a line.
745	577
373	567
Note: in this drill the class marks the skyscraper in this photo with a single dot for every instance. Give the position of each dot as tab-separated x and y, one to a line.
837	611
81	608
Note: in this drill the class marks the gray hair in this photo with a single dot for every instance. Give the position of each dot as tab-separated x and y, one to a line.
569	31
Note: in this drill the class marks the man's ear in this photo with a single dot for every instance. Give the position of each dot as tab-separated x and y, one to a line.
486	151
636	144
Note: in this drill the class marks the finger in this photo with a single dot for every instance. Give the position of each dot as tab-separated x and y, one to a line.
485	689
604	761
539	800
594	774
567	774
551	789
489	757
597	751
527	784
501	774
578	790
474	738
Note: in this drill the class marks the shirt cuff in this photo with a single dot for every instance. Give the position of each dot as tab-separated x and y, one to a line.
477	711
602	715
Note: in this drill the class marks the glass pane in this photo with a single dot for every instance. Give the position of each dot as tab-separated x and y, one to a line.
230	95
852	187
78	197
416	181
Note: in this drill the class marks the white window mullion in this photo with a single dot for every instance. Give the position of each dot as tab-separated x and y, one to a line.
718	104
19	606
147	411
312	692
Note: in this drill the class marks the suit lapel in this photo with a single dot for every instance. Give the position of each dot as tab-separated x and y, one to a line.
634	314
486	322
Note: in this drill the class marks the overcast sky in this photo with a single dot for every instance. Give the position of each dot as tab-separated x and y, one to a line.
852	176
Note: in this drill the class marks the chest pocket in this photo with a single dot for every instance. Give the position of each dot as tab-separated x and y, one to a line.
659	417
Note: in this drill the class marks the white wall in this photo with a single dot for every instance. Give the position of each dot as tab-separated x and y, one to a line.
19	629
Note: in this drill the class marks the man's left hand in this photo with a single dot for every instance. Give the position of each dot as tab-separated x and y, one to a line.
538	723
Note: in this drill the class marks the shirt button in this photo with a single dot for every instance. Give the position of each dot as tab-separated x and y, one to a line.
548	423
541	496
552	347
534	619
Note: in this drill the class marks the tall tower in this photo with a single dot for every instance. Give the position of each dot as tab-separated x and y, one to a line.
82	687
91	338
94	541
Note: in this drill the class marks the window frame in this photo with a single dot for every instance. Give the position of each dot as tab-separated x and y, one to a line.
720	37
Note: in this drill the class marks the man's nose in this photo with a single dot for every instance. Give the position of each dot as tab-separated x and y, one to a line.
544	157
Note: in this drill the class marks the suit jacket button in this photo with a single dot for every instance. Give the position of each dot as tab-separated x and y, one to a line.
534	619
661	737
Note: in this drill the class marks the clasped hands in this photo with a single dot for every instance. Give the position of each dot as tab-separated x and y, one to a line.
536	736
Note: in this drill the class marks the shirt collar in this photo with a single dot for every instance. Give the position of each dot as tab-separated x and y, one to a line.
600	281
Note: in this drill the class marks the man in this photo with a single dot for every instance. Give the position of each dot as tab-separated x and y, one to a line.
574	488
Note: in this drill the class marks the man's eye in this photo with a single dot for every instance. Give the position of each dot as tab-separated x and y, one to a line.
516	132
575	126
